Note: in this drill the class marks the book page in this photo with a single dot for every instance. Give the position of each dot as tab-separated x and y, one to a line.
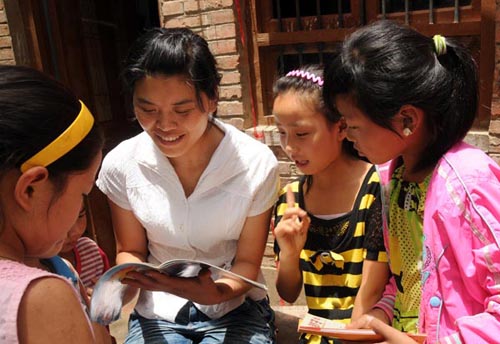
107	299
334	329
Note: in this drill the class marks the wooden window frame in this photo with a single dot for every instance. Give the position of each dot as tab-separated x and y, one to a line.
476	20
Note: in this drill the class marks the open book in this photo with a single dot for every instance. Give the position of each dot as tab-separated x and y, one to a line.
334	329
107	299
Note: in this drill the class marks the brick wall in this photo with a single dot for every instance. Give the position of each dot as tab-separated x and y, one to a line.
216	21
6	52
494	131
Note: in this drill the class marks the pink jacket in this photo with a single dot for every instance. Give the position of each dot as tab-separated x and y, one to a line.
461	261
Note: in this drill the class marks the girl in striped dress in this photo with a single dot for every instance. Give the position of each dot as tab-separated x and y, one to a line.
328	226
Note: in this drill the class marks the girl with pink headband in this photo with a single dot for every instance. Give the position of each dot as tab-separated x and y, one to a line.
338	240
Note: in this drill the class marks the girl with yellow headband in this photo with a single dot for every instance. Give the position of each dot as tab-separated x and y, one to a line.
409	100
50	151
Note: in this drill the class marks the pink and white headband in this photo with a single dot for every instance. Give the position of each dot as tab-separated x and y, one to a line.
306	75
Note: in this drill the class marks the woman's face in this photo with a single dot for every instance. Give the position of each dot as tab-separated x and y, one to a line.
168	110
305	134
376	143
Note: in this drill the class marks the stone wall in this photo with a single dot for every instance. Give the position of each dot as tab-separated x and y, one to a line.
216	21
6	52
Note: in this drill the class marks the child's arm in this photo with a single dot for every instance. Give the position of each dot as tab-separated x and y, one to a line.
50	312
291	235
374	278
473	245
375	274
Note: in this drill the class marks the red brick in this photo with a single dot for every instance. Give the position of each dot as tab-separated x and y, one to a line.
230	92
228	62
220	31
188	21
4	30
216	4
496	158
9	62
236	122
209	33
191	6
226	31
229	78
224	47
5	41
170	8
6	54
229	108
218	17
495	127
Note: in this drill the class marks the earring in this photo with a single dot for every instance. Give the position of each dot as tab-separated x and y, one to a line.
407	132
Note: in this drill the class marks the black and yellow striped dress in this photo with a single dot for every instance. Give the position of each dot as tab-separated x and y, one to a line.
332	258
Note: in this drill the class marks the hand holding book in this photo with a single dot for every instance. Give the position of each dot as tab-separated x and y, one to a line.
107	299
334	329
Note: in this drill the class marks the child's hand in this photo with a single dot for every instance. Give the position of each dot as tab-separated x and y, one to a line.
291	231
390	334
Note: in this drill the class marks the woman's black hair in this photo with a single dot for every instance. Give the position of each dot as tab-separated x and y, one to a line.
34	110
169	52
386	65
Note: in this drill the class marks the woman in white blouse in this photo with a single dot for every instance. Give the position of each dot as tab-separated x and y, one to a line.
189	186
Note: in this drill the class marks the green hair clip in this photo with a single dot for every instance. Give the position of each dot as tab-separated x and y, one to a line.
439	44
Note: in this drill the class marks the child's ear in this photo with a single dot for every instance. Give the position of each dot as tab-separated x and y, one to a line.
410	120
29	185
342	128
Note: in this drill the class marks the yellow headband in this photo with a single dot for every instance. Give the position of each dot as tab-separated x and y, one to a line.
68	140
439	44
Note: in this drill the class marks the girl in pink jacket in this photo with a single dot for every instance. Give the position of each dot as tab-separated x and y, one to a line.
410	100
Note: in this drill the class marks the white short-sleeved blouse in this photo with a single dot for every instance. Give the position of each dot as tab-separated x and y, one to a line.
241	180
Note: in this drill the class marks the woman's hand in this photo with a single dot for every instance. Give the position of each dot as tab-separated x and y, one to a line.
200	289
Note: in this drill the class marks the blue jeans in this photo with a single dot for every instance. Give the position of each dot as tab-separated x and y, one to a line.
252	322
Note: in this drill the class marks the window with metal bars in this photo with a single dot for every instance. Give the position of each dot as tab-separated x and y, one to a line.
291	33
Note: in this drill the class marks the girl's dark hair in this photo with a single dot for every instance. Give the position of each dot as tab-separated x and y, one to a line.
34	110
385	65
312	91
169	52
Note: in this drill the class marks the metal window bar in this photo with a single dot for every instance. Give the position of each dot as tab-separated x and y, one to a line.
297	15
318	15
340	14
321	47
278	13
362	14
407	12
383	10
456	14
431	11
300	49
281	59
